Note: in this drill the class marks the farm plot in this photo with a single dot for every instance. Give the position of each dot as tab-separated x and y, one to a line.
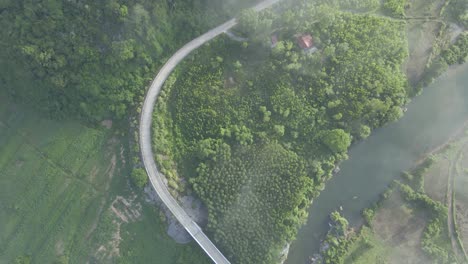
65	197
51	178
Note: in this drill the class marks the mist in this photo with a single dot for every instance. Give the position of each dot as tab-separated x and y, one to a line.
432	119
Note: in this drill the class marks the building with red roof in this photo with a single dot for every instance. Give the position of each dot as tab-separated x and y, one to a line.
305	41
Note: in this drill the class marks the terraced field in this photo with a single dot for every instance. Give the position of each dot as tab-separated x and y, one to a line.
54	177
65	197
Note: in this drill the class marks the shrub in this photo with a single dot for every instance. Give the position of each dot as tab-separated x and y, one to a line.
139	177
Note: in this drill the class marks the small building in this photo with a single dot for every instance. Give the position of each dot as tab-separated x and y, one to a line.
305	41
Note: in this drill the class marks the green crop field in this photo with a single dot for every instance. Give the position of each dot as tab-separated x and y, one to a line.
54	177
58	181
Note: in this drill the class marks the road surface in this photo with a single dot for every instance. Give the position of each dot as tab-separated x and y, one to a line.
156	178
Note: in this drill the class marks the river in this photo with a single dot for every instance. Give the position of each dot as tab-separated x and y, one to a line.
373	163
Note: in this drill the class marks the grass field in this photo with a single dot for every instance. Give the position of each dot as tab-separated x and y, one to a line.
65	198
367	249
423	35
461	199
54	177
461	192
452	160
395	235
398	226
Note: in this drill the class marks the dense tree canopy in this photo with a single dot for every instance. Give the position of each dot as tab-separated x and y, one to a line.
258	126
93	59
337	140
395	7
458	52
253	194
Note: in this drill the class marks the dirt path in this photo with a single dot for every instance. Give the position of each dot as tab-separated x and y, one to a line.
457	248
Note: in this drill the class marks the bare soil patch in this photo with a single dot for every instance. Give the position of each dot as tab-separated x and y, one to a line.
192	206
423	29
435	180
93	173
421	37
125	210
107	123
106	253
111	169
401	228
174	229
59	247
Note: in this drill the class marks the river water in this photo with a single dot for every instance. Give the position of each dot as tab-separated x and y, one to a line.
430	120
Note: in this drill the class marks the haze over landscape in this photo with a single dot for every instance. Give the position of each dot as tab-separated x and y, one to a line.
234	131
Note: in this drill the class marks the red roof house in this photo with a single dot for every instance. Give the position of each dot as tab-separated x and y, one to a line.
305	41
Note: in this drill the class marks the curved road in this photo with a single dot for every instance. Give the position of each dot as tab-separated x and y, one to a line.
156	178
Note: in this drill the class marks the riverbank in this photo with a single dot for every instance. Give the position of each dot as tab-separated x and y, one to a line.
430	120
222	116
409	220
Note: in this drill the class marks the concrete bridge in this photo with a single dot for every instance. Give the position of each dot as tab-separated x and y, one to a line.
156	178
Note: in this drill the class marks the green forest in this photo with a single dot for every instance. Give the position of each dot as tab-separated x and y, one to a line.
254	128
257	126
93	59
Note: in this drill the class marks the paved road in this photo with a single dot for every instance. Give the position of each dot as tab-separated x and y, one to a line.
156	178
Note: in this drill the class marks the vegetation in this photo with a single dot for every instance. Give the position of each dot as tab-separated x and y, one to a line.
395	8
444	55
458	11
367	248
458	52
258	130
337	241
337	140
107	53
58	180
145	240
53	179
369	245
435	238
253	194
347	246
369	213
139	177
356	5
